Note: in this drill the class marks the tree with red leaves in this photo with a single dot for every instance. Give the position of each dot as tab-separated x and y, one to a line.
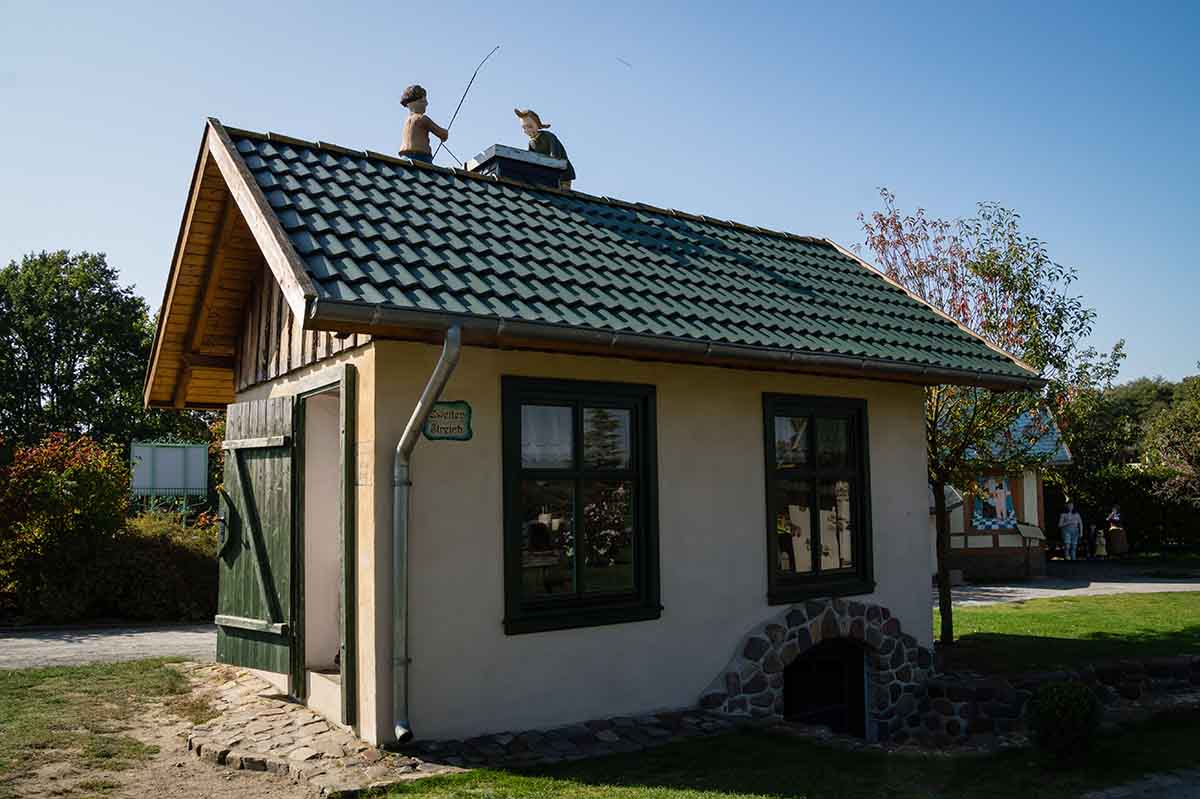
999	283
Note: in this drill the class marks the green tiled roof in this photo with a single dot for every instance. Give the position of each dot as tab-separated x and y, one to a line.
376	230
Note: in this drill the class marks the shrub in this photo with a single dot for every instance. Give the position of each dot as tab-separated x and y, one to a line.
1064	719
68	552
62	504
161	568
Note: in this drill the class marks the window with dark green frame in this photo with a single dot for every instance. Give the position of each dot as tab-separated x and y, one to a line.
580	504
818	497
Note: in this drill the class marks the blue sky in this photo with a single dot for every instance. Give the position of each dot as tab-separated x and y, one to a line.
1085	118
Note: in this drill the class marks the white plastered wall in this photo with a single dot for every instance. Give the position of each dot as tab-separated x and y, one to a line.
322	555
468	677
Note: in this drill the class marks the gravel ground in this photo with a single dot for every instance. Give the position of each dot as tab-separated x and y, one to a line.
21	649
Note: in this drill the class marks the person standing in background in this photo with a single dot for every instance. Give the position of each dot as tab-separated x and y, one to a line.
1071	525
1118	539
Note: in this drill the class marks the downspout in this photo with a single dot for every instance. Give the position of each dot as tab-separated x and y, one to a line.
401	483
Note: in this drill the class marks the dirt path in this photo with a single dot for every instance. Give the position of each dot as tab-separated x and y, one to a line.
171	773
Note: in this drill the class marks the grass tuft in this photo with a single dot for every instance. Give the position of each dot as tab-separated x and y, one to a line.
77	714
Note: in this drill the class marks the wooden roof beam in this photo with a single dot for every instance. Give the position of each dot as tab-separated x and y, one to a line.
204	300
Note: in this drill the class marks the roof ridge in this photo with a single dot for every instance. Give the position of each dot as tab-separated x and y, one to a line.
611	201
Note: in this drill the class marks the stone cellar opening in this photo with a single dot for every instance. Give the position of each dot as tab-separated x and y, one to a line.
827	685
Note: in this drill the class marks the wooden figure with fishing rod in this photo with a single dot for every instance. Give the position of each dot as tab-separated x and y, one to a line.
415	142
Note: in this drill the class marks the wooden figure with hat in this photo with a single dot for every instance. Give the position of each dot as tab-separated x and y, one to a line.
415	142
544	142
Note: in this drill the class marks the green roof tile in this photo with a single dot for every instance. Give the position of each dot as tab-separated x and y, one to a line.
375	231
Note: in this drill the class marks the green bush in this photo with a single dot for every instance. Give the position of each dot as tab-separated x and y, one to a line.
1064	719
69	553
161	568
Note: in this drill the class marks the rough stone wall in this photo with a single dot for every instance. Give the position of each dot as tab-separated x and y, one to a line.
959	707
751	685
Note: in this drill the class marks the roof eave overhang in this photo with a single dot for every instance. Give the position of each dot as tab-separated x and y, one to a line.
277	250
399	323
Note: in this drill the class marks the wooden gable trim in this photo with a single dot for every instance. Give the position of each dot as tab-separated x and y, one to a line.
228	229
185	225
281	257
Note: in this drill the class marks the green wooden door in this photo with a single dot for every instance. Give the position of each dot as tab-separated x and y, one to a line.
254	603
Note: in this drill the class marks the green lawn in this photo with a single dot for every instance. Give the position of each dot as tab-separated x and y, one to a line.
1045	633
78	714
759	764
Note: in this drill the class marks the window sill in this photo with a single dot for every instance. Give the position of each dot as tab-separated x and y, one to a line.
798	592
568	619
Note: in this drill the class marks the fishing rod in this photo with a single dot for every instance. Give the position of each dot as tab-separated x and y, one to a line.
455	157
464	97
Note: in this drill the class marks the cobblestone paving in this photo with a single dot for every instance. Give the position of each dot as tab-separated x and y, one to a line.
21	649
577	741
1183	784
258	730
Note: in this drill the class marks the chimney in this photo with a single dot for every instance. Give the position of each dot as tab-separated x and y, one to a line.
510	163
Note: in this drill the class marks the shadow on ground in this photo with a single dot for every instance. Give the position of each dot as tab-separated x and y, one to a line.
1011	653
761	764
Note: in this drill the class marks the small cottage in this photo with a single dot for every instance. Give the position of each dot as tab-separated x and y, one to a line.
501	456
998	531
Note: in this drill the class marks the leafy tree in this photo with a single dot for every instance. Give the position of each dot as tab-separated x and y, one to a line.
74	344
1173	443
1136	403
1002	285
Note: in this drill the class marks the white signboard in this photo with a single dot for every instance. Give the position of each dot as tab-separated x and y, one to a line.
169	470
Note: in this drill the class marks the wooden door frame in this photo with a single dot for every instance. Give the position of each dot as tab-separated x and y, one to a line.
342	381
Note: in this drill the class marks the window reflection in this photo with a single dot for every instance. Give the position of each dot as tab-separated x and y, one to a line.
791	441
836	525
606	442
833	442
548	539
793	525
608	536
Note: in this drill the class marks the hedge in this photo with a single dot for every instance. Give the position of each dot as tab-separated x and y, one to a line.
69	553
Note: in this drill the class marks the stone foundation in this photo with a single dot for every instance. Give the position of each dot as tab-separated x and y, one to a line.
751	685
961	707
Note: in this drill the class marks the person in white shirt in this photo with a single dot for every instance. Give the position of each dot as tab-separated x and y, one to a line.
1071	525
